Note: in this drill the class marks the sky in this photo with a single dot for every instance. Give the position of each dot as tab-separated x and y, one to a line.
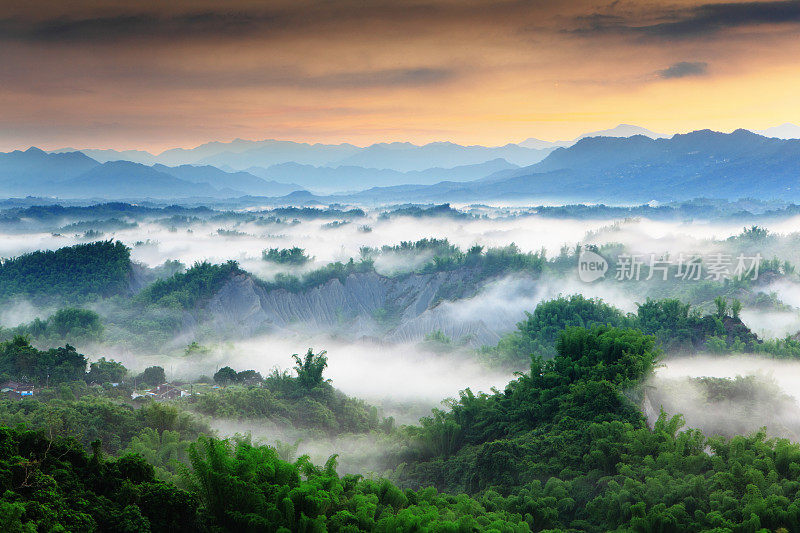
153	75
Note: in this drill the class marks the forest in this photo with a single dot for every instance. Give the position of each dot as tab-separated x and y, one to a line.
562	447
146	417
76	273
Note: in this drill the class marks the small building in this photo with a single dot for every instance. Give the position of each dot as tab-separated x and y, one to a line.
165	391
16	391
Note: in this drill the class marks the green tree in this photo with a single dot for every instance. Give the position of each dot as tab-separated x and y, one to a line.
722	306
152	376
225	376
76	323
736	309
105	371
310	368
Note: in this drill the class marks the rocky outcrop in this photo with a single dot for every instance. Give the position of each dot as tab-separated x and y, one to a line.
396	309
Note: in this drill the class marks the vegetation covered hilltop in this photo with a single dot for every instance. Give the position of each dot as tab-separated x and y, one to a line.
562	447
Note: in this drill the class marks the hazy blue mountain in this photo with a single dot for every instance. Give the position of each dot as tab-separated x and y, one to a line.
268	153
402	157
637	169
105	155
784	131
171	157
406	157
239	181
237	154
351	178
184	156
538	144
32	169
124	179
623	130
241	154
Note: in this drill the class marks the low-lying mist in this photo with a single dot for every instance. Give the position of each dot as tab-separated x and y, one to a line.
729	395
221	239
379	373
357	454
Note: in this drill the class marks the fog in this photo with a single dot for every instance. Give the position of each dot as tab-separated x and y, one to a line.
769	394
500	304
366	369
200	240
772	324
399	373
357	454
21	311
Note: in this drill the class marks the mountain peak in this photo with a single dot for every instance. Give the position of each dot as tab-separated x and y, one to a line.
784	131
623	130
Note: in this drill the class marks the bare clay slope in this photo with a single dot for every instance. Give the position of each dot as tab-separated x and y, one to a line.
395	309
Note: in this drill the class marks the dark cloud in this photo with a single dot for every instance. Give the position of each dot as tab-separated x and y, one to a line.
384	78
696	21
83	78
140	26
684	69
236	20
294	78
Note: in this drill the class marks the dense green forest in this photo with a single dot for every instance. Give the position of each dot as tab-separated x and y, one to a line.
101	276
304	400
21	361
286	256
567	448
562	447
676	326
74	274
184	290
65	324
481	263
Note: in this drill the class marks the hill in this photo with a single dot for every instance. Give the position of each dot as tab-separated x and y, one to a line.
75	273
344	178
123	179
35	170
221	180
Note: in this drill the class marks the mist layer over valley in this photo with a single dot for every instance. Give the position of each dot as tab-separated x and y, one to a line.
407	342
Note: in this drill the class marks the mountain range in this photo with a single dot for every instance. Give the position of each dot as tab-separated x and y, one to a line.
703	163
76	175
355	178
624	164
398	156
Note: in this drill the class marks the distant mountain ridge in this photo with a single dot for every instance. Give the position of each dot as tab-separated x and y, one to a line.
351	178
612	168
244	182
240	154
703	163
35	166
75	175
784	131
402	157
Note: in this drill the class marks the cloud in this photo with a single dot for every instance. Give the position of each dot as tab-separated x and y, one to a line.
138	26
691	22
150	20
684	69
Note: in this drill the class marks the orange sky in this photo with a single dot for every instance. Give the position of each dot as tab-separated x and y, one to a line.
137	74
